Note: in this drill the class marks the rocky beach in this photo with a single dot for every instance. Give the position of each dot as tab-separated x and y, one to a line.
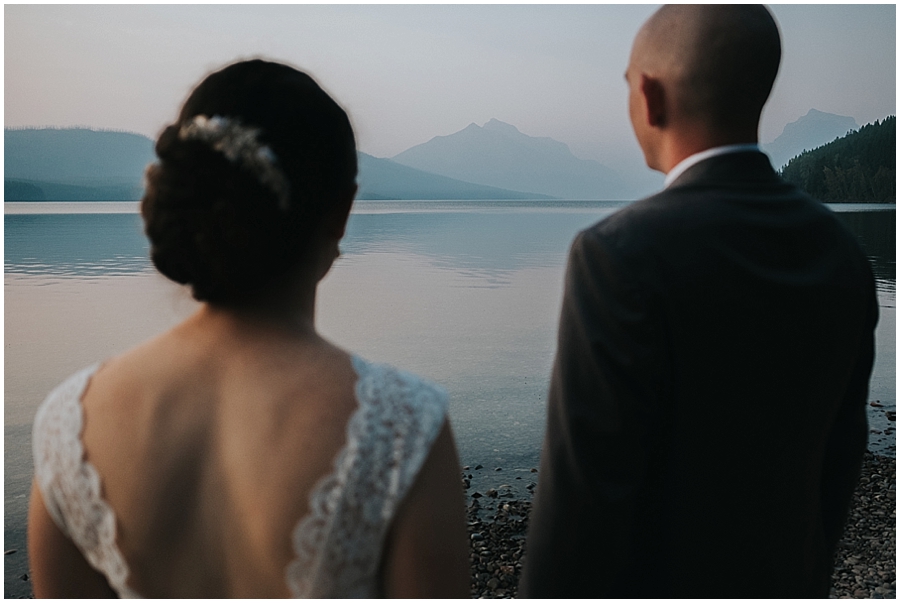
865	562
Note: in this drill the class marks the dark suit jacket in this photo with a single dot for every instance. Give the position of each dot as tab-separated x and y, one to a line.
706	417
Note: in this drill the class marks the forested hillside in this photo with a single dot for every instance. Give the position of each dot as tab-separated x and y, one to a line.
858	168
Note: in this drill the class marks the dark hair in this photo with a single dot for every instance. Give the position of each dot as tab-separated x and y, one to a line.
212	221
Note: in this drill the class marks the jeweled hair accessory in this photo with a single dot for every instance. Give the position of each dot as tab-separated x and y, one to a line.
240	145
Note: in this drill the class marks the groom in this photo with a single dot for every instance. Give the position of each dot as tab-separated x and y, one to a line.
706	417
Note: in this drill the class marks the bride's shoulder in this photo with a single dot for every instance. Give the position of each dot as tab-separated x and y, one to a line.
380	383
398	407
61	410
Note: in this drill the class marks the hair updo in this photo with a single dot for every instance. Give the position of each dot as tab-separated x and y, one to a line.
258	156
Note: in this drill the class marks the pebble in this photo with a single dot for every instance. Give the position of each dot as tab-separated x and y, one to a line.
496	560
865	562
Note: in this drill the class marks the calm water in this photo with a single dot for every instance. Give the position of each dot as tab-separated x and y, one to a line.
464	293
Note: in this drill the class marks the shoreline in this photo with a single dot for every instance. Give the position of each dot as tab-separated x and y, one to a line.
865	560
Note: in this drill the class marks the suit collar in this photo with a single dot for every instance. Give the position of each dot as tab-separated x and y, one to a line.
730	168
696	158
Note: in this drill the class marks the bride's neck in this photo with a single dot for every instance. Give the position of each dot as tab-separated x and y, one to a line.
284	314
286	310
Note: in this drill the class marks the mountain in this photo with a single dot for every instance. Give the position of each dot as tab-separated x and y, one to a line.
859	167
498	154
809	132
385	179
74	164
76	155
41	190
78	164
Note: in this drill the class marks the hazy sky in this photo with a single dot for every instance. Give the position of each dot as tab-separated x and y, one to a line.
410	72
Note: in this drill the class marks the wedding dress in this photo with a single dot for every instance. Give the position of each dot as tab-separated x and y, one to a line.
337	545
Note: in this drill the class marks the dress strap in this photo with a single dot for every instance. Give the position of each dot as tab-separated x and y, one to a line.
71	486
338	545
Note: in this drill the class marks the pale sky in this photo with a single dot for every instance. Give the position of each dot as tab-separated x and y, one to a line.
407	73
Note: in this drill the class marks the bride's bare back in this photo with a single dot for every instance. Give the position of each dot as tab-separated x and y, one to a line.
209	440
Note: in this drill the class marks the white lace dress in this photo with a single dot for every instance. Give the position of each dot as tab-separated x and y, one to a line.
337	545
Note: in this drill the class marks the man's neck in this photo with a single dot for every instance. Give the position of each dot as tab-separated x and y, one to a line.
690	140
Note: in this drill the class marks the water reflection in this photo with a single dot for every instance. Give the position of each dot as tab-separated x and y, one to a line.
487	245
75	244
876	232
466	293
490	240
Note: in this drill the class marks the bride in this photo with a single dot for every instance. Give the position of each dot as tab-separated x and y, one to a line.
240	454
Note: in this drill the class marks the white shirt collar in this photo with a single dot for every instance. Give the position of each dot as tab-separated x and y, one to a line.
696	158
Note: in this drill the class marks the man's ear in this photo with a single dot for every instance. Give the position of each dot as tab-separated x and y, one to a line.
654	101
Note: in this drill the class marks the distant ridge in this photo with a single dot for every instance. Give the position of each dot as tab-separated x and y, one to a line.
498	154
83	164
386	179
809	132
75	127
78	156
41	190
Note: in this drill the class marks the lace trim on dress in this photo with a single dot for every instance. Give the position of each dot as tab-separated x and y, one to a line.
338	545
71	486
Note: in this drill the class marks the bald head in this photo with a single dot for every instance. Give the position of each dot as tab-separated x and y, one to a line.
718	62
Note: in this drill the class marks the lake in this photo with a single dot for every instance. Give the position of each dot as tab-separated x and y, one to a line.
464	293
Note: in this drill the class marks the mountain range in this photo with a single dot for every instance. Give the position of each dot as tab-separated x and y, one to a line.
498	154
493	161
75	155
386	179
78	164
807	133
